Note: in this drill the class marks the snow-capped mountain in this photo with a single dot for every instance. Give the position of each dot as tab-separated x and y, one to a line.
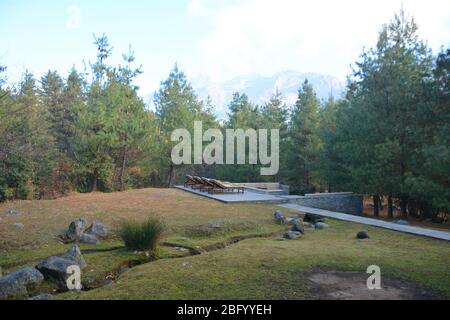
259	89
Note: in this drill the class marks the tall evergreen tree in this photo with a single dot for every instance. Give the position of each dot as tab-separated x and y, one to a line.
389	84
177	107
304	140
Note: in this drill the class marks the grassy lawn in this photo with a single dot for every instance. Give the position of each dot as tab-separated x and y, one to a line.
261	267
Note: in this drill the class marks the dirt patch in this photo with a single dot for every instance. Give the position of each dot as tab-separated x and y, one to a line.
346	285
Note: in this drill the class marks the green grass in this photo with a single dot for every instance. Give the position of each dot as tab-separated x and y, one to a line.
142	236
255	268
272	269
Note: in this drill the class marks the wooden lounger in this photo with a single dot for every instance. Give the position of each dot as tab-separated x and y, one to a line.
199	183
207	184
189	181
220	186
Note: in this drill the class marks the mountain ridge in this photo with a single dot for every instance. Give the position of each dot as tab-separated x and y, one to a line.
260	88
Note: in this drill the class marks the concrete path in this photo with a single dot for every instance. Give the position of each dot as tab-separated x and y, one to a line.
246	197
441	235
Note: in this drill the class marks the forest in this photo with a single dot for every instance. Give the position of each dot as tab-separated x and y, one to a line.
89	130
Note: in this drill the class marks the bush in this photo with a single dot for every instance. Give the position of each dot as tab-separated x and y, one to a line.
142	236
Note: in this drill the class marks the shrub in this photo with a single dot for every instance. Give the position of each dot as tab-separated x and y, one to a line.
142	236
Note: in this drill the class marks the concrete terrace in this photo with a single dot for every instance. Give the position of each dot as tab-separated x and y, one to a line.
248	196
441	235
287	201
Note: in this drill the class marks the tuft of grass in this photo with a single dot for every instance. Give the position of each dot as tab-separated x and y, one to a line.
142	236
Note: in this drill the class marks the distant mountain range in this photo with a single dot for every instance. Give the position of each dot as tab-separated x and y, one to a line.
259	88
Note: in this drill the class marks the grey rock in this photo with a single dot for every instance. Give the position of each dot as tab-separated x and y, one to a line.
75	230
313	218
297	225
17	284
216	226
12	213
364	234
292	235
88	239
74	254
185	264
402	222
308	224
97	229
55	268
18	225
43	296
279	217
290	220
321	225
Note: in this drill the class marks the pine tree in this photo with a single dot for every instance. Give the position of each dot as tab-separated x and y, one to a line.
389	88
304	140
177	106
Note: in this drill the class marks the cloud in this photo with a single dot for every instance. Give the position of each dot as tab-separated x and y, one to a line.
198	8
265	36
74	17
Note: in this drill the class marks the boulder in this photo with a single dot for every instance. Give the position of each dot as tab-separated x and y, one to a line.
97	229
279	217
74	254
362	235
321	225
88	239
17	284
75	230
18	225
43	296
12	213
297	225
292	235
55	268
290	220
313	218
308	225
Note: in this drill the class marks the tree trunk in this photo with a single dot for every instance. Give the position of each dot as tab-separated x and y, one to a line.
95	181
390	208
403	208
376	206
171	182
122	168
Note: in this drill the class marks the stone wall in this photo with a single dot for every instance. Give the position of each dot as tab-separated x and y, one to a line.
272	188
345	202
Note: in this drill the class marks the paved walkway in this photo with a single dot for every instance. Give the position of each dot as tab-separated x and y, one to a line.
247	196
441	235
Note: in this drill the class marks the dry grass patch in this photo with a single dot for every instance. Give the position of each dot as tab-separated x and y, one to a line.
44	220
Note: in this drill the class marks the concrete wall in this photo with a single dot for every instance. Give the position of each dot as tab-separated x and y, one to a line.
273	188
345	202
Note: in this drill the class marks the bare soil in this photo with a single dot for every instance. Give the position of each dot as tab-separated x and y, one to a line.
348	285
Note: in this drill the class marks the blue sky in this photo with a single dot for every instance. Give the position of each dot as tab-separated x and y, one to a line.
215	38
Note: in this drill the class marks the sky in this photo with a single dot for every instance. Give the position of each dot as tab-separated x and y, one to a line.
219	39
